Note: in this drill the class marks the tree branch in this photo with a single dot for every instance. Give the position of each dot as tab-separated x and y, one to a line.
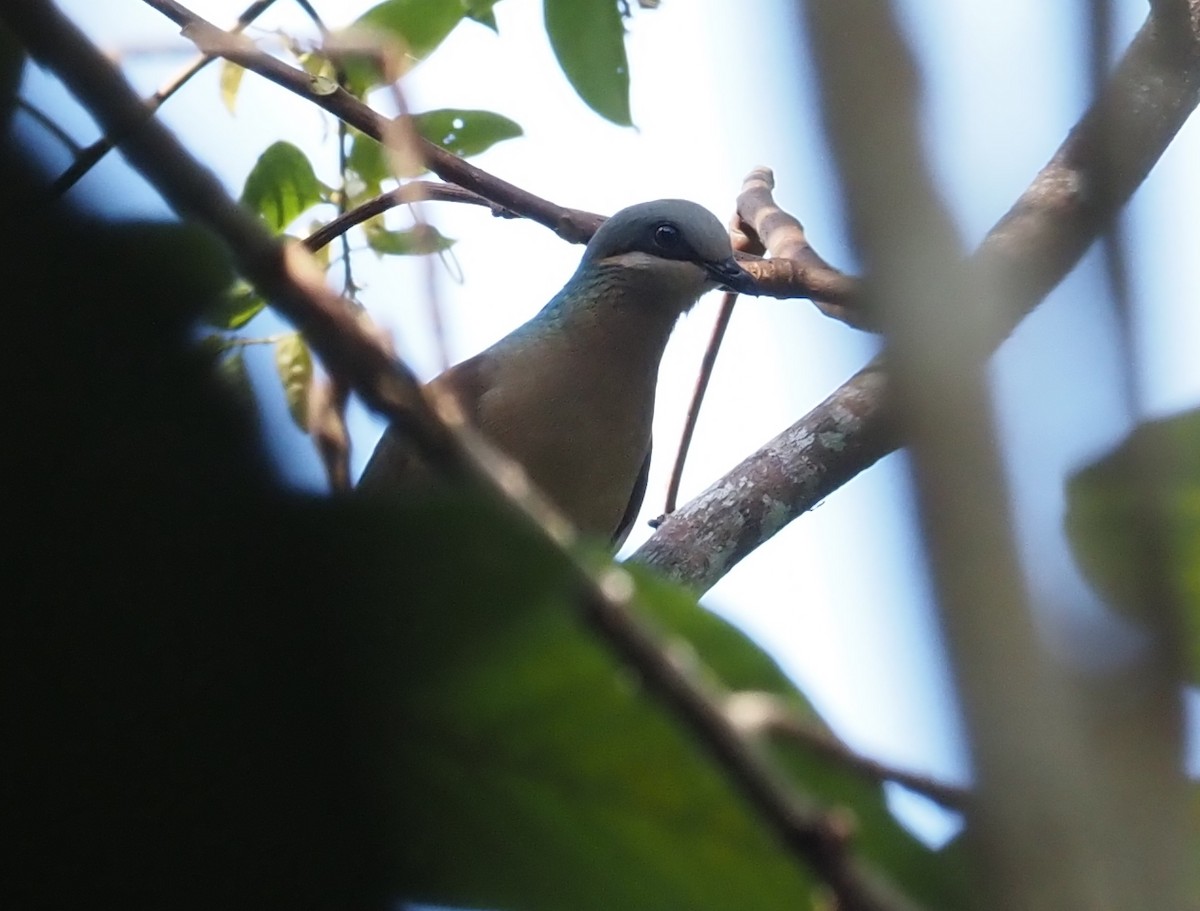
574	225
794	265
1041	238
88	158
413	191
758	713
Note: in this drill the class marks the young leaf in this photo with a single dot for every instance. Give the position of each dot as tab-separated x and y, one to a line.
465	133
421	239
368	160
588	38
293	362
281	186
231	81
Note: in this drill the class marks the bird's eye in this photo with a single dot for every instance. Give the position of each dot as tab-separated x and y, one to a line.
667	237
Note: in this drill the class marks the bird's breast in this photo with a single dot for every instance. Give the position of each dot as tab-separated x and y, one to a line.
578	419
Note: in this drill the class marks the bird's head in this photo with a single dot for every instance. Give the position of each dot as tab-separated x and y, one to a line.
672	243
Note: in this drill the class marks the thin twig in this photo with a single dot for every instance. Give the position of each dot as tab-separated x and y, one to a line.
413	190
297	287
88	158
693	413
765	713
49	124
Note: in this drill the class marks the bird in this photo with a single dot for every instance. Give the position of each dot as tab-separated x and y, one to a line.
570	394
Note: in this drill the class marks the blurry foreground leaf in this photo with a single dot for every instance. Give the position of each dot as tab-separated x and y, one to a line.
481	11
293	362
533	772
231	81
1103	519
236	307
421	239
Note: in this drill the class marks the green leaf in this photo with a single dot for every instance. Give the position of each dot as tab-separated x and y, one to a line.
421	239
282	185
421	25
487	18
481	11
530	768
236	307
588	38
293	362
463	132
937	879
1105	515
230	82
368	160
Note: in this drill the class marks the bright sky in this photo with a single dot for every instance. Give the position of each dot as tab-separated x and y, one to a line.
839	597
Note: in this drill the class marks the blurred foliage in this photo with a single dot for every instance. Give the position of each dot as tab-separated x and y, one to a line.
294	364
1152	476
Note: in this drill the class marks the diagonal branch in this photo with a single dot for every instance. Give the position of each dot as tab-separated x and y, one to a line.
1154	89
758	712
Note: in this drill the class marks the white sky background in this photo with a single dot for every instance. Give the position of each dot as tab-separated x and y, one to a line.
839	597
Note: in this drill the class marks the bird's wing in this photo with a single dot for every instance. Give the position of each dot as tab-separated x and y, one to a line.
468	380
395	465
625	526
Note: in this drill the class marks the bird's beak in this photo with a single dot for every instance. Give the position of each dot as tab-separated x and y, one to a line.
731	277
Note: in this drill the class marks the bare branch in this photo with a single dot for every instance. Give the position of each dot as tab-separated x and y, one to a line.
49	124
693	413
1039	240
794	269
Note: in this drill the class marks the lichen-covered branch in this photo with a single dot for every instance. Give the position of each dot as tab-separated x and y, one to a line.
1154	89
